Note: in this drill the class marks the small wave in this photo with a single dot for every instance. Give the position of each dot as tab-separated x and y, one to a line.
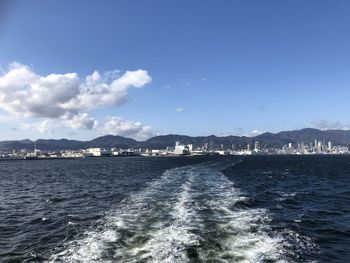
284	194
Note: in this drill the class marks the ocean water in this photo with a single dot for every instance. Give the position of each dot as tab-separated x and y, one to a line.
180	209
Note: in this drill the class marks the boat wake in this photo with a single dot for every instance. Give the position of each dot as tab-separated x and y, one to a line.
190	214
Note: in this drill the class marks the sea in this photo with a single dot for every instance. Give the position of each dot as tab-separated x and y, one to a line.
176	209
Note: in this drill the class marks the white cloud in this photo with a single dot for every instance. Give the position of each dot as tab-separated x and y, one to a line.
242	132
328	125
180	109
78	121
255	133
119	126
8	119
25	93
45	126
65	98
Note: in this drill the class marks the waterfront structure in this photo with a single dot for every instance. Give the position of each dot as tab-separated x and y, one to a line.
316	147
330	147
97	152
180	149
256	146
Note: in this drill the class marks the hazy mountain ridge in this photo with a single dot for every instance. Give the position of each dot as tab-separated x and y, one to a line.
308	135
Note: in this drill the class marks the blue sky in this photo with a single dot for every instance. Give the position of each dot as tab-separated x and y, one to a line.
207	67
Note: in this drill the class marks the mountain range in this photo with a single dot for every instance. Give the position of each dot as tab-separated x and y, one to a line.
307	135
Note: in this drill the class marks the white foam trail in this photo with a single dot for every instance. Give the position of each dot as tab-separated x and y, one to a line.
133	216
188	208
241	234
170	241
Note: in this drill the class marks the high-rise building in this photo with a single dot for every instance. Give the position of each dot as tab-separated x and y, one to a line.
190	147
180	149
206	146
330	146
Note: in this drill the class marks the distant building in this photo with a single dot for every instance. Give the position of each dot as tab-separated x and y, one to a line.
330	146
256	146
180	149
97	152
190	147
156	152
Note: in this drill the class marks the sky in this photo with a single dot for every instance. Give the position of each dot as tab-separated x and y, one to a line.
82	69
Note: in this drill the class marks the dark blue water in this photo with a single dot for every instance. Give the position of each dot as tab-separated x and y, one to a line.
185	209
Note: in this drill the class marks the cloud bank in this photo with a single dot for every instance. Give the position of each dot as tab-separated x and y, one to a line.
119	126
66	100
328	125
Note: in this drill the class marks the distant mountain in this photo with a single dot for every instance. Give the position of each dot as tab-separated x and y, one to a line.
112	141
62	144
308	135
20	144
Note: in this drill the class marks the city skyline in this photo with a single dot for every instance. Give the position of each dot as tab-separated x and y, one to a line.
31	152
304	139
79	71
